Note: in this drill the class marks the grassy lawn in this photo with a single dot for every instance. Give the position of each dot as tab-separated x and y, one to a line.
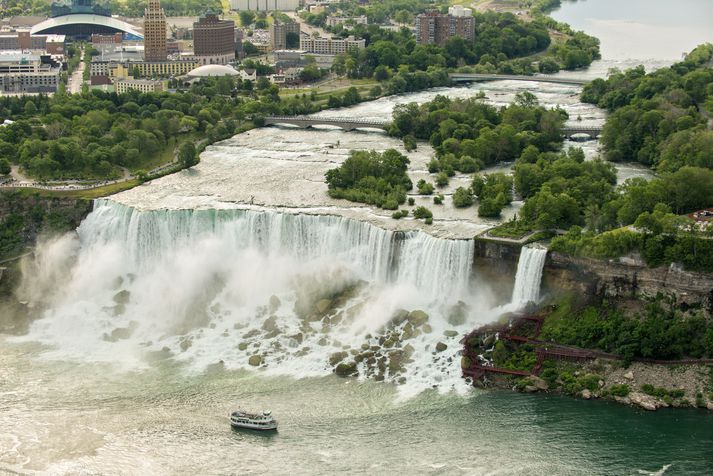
333	87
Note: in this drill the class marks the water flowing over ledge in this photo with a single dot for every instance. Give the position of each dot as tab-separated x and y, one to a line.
529	276
437	267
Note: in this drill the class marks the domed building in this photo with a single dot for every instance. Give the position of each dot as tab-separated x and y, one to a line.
211	71
80	19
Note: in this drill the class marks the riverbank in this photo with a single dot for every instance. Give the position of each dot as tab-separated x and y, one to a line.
514	356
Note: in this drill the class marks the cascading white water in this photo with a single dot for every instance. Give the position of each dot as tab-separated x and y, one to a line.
529	276
210	285
437	267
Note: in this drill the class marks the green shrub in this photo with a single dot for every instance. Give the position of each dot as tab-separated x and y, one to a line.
438	199
619	390
590	382
428	221
422	212
411	201
489	208
442	179
410	143
434	166
462	197
424	188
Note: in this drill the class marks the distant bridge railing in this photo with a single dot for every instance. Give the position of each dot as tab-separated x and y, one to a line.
346	123
473	77
593	131
350	124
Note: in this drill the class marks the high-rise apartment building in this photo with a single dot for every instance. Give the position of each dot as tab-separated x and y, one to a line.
279	32
434	27
214	39
154	32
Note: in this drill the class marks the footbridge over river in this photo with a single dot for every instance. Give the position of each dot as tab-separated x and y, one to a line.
473	77
352	124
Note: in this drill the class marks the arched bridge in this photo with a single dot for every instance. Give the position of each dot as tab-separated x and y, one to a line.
472	77
592	131
350	124
346	123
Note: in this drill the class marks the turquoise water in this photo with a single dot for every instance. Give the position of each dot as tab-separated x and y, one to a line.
59	418
64	417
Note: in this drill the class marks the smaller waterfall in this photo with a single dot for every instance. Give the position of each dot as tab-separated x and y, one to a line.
529	276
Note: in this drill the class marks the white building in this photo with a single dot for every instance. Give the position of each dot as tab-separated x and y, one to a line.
143	85
334	21
460	11
330	46
24	73
265	5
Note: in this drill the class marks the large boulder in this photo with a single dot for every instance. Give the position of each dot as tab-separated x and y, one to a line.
255	360
270	325
399	317
417	318
323	305
346	369
122	297
337	357
457	314
646	402
440	347
539	383
450	333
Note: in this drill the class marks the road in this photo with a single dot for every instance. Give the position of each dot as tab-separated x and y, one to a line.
305	28
75	81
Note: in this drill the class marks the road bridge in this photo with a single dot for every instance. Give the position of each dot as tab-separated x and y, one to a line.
473	77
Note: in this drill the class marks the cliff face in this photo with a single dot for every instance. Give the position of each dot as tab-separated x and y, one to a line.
590	278
627	279
496	264
23	217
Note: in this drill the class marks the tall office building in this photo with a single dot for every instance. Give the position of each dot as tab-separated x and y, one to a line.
434	27
154	32
214	39
279	32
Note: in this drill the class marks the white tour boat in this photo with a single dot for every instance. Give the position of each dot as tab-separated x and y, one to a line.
251	421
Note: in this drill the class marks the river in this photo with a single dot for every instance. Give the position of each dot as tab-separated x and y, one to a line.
152	309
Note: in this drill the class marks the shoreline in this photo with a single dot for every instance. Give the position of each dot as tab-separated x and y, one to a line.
500	357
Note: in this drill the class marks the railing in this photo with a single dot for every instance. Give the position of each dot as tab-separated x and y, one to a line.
462	77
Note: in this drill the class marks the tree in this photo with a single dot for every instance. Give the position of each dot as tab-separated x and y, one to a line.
250	49
136	73
462	197
247	17
187	154
4	167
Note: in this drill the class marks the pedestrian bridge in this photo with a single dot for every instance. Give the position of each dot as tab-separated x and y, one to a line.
351	124
472	77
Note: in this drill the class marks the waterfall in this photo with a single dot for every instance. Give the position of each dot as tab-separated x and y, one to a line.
529	276
437	267
224	285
